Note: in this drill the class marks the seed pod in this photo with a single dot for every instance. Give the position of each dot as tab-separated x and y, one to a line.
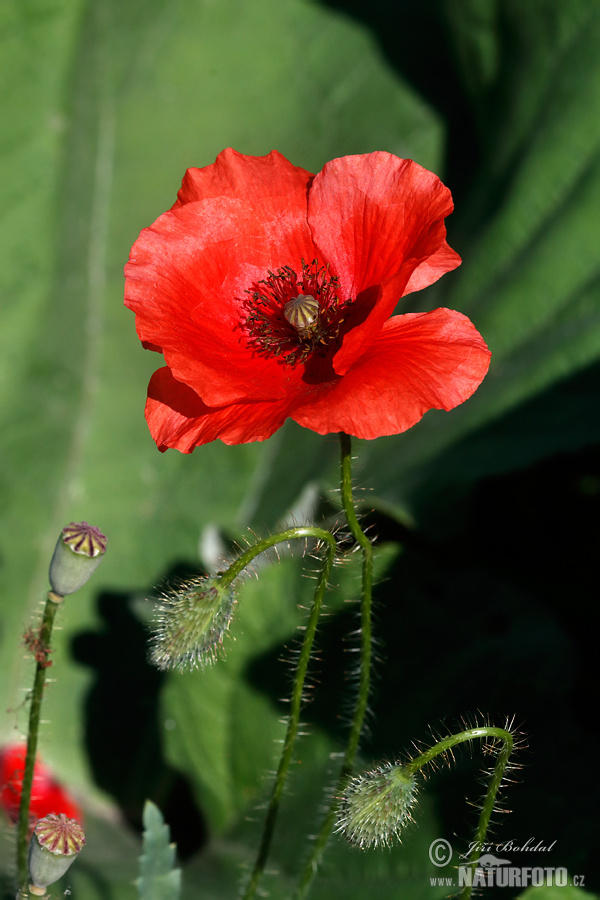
302	313
55	844
77	554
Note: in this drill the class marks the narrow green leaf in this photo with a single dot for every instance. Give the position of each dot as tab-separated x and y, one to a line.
158	879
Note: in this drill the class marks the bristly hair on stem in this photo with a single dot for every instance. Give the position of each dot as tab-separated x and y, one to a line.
296	701
375	807
190	624
364	679
192	620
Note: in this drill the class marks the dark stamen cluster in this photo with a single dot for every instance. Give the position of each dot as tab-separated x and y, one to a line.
266	327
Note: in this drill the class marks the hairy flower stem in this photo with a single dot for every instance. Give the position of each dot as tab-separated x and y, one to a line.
244	559
52	603
493	787
322	838
295	705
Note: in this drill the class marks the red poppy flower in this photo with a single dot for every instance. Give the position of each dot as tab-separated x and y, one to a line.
47	795
269	291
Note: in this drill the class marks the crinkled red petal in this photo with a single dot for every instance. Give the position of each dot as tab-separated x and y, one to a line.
265	178
178	418
188	274
419	361
379	221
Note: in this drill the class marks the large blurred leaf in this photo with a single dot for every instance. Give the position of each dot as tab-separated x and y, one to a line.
528	230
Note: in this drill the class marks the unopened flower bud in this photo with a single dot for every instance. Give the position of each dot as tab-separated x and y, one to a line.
77	554
55	844
191	624
376	805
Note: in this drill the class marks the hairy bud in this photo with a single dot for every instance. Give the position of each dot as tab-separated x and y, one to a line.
376	805
191	624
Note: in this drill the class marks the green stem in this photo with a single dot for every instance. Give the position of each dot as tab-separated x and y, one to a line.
45	633
294	719
365	608
322	838
489	801
237	566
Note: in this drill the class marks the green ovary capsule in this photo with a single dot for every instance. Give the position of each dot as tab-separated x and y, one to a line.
302	313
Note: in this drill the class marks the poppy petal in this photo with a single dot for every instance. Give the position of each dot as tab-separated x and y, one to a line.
267	179
189	273
420	361
178	418
378	220
47	795
443	260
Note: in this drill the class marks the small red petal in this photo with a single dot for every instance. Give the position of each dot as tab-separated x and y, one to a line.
443	260
266	179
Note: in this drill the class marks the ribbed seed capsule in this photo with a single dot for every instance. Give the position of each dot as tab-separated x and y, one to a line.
55	844
302	313
78	552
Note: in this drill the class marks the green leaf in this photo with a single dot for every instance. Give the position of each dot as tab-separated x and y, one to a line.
528	231
158	879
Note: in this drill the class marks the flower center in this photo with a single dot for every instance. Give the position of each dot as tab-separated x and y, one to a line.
292	316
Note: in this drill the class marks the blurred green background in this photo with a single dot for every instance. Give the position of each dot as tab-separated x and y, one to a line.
487	516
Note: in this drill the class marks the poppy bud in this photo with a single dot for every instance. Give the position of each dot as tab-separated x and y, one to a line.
376	805
191	624
77	554
55	844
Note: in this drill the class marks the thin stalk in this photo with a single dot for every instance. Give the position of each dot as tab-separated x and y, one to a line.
294	719
365	606
244	559
52	602
322	838
489	800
